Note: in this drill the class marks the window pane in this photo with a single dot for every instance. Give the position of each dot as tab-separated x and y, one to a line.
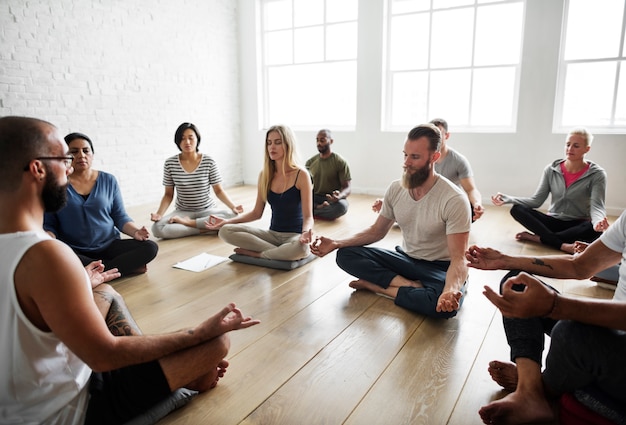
492	96
450	94
308	44
593	29
452	51
341	41
308	12
588	104
498	34
342	10
278	48
404	6
409	98
408	47
297	92
443	4
277	14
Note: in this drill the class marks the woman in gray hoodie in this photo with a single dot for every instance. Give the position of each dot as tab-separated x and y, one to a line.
577	188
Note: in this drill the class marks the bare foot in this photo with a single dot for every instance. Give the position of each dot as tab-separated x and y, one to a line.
248	252
570	248
359	284
322	205
183	220
140	270
517	408
525	236
504	373
209	381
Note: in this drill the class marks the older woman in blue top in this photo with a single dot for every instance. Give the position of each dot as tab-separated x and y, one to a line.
91	221
577	188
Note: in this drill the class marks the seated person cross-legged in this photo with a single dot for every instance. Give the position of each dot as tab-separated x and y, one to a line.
190	177
428	274
577	189
331	179
588	336
91	221
287	187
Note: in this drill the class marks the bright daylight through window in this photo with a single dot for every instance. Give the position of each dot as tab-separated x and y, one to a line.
309	62
591	89
454	58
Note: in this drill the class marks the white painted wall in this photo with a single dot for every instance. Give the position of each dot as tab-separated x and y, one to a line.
505	162
127	73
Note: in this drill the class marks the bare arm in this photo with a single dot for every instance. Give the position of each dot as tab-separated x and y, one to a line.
456	274
166	200
65	306
322	245
538	300
223	196
134	231
592	260
305	186
474	196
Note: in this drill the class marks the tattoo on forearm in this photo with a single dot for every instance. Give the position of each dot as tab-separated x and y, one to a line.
540	262
118	318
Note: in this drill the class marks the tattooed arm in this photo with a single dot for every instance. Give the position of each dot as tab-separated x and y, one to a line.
594	259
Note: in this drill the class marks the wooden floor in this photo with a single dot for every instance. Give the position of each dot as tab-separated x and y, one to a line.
323	353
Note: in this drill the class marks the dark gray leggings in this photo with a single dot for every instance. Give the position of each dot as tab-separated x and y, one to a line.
580	355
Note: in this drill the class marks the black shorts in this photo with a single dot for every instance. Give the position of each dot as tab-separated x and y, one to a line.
122	394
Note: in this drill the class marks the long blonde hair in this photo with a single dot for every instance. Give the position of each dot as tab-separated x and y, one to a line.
270	168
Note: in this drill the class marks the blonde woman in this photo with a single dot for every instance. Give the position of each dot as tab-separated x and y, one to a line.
577	188
287	187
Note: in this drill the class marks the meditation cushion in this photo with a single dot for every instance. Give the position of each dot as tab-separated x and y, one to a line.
177	399
272	264
590	407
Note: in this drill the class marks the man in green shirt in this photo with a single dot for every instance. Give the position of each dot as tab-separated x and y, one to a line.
331	179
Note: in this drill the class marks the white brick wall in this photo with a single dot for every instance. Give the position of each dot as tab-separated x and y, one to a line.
127	73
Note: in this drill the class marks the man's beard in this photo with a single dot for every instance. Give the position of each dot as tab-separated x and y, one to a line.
419	176
54	195
323	149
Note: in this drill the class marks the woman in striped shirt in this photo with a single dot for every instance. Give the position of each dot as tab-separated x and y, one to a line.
193	175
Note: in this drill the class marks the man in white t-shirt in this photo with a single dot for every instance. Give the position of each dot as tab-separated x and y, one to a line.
588	336
428	273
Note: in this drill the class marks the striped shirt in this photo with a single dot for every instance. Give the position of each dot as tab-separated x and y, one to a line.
193	190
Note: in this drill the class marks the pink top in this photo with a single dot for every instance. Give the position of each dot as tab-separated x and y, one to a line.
572	177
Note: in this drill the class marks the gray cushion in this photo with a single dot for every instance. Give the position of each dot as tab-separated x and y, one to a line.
273	264
177	399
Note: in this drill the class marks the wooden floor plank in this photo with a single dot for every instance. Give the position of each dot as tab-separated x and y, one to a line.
323	352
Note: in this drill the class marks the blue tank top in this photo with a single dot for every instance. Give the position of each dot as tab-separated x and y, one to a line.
286	210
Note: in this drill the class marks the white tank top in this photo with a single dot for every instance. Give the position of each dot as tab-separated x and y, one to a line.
41	380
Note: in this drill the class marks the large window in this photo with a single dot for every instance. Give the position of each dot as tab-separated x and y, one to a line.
591	90
455	59
309	62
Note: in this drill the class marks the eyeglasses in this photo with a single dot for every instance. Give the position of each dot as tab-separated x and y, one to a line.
66	159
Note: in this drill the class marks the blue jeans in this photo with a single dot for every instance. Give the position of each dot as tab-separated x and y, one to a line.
379	266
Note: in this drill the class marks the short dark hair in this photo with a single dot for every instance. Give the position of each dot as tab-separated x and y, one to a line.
178	136
440	122
429	131
21	140
76	135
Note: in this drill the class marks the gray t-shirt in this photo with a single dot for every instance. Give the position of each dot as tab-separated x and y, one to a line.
455	167
426	223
